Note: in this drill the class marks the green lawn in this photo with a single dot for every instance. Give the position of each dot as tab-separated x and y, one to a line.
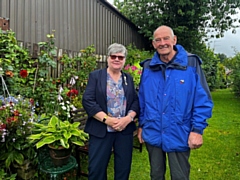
218	158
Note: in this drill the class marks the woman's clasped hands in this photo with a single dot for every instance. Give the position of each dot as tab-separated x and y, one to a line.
118	123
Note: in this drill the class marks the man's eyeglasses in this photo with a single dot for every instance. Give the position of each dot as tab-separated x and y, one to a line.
119	57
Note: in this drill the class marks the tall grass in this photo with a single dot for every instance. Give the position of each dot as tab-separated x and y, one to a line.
218	158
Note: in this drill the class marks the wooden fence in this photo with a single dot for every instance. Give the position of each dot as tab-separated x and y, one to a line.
34	51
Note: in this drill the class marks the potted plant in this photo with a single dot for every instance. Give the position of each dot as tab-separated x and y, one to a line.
16	116
59	135
17	109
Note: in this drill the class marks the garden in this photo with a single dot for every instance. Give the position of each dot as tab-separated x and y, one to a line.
36	102
38	96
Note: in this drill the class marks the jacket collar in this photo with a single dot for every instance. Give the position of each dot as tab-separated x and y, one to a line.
180	59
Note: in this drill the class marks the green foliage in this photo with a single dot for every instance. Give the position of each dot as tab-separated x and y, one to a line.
58	133
222	57
134	57
87	62
210	66
13	58
46	76
221	81
189	19
16	117
5	176
234	65
49	84
44	88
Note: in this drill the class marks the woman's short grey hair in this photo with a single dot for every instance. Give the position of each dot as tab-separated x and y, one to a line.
117	48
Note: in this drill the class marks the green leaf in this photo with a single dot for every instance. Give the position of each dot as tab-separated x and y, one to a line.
75	132
64	143
18	157
53	121
44	141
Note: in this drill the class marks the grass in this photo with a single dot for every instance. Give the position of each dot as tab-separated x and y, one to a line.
218	158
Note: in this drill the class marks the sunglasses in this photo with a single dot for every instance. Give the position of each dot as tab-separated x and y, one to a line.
119	57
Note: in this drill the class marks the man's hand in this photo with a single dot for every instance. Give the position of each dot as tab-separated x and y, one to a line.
140	135
195	140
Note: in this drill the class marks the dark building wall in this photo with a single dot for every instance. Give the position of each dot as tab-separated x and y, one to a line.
77	23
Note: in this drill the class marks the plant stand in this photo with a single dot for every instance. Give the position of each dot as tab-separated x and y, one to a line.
54	173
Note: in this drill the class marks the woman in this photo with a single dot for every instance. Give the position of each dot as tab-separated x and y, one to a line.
111	103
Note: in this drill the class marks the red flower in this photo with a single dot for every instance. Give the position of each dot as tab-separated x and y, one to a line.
23	73
16	113
72	92
11	119
31	101
2	126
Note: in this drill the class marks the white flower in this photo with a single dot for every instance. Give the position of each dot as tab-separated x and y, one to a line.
64	107
60	98
76	77
68	102
72	81
73	107
60	89
69	115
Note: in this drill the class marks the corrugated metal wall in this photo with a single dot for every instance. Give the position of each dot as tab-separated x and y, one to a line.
77	23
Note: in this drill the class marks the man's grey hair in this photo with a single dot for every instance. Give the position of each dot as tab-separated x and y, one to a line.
117	48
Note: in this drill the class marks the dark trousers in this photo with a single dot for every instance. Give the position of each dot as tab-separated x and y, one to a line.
100	150
178	163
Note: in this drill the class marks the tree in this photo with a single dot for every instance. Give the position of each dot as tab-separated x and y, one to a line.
234	65
222	57
190	19
210	66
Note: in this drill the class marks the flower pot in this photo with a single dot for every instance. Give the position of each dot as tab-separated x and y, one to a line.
25	171
60	156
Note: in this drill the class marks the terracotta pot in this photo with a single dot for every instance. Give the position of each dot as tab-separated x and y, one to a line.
25	171
59	155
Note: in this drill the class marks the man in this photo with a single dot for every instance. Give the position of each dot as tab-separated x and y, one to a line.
175	102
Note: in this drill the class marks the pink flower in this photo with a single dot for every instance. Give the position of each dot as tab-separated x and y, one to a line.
134	68
127	67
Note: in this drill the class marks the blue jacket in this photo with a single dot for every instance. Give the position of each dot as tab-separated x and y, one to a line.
174	100
95	100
